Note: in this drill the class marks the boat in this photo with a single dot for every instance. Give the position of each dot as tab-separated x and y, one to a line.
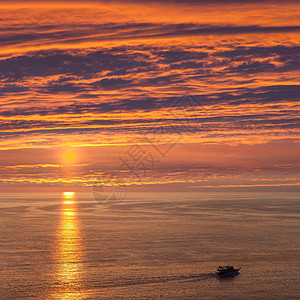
227	270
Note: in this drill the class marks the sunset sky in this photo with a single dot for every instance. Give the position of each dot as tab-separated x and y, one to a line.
206	92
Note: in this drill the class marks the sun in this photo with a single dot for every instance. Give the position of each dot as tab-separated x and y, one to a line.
69	156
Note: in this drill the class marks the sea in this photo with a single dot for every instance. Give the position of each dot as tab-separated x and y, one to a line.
149	246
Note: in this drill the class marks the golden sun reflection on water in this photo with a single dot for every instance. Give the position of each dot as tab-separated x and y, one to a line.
68	258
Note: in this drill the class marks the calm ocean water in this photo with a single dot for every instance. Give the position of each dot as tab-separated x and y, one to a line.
150	246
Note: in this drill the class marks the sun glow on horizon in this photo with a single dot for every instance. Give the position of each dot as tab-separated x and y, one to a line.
69	194
68	198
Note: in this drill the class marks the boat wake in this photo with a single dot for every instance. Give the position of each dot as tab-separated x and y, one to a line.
122	282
